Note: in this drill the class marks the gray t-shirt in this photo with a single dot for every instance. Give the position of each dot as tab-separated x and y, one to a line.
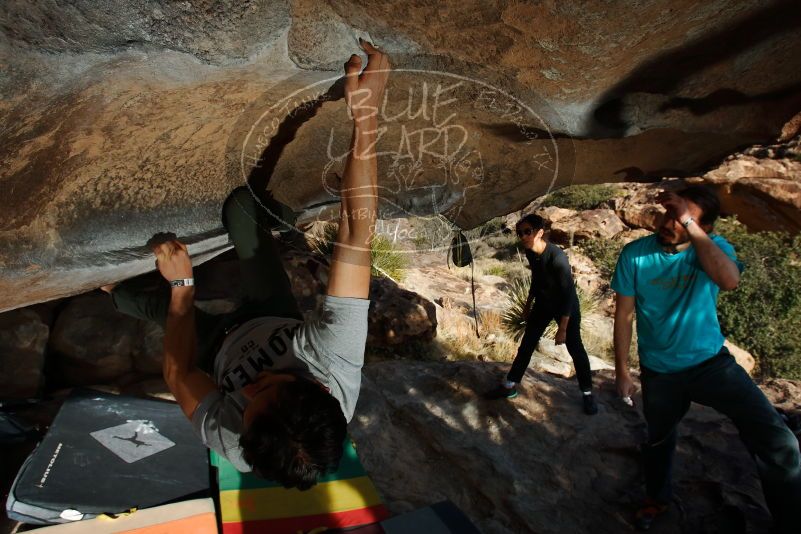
329	347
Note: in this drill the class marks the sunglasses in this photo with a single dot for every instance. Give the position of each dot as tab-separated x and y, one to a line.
526	232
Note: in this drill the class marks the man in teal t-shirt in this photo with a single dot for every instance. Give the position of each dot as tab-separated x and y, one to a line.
671	279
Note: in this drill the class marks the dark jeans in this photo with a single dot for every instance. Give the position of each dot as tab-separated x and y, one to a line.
265	284
722	384
538	320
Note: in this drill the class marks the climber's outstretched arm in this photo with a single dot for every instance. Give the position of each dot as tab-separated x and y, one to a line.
350	267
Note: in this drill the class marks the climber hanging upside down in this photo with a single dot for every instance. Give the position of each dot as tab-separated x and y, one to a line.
267	390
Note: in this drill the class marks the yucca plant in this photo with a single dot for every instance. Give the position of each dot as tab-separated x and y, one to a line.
386	260
512	317
323	242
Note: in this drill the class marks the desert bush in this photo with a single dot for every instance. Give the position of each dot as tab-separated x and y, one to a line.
496	270
458	338
513	320
763	315
581	197
603	253
386	260
512	317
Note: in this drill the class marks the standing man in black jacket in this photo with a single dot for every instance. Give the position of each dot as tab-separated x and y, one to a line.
555	299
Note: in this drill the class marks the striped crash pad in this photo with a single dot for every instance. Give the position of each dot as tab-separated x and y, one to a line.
196	516
345	498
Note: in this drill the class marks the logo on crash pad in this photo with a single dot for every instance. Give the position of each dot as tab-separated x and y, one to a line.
133	440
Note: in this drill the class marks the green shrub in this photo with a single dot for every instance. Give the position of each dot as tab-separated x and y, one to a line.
581	197
603	253
763	315
386	260
496	270
512	318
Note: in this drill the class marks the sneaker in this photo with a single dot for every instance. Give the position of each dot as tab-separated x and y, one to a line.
649	511
590	406
501	392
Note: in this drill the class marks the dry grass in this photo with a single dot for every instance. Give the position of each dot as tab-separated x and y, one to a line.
458	339
508	270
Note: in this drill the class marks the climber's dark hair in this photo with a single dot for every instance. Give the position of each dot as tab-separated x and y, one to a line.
298	438
706	199
537	223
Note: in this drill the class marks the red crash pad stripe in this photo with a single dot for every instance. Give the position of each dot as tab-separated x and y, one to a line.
293	525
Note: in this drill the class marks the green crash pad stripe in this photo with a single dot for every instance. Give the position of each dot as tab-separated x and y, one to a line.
231	479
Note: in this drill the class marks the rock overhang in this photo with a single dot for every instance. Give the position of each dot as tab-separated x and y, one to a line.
125	119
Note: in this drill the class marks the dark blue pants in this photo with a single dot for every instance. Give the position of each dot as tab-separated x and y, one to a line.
722	384
538	320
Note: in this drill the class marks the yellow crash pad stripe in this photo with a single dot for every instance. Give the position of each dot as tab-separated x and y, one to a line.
275	503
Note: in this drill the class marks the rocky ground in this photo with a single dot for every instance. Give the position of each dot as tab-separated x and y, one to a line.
537	463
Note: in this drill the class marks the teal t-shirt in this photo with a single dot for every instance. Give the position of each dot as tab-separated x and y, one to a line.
676	303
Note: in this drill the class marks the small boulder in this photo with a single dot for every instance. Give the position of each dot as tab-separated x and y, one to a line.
552	214
398	315
590	224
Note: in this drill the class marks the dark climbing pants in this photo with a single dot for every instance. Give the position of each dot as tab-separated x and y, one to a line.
722	384
538	320
265	285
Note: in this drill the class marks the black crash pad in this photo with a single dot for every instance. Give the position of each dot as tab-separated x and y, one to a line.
107	454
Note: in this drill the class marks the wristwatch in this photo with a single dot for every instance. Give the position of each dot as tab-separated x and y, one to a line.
688	222
182	282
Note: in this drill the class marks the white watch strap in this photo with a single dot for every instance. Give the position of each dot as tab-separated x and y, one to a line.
688	222
182	282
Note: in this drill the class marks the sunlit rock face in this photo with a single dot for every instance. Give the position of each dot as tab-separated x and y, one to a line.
121	119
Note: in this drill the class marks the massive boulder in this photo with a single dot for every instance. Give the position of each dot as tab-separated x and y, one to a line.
122	119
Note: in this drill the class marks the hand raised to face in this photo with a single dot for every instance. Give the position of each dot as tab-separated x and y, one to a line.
675	205
363	92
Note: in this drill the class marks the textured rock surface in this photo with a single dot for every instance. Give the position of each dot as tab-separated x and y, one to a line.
398	315
122	119
537	464
762	186
591	224
23	338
